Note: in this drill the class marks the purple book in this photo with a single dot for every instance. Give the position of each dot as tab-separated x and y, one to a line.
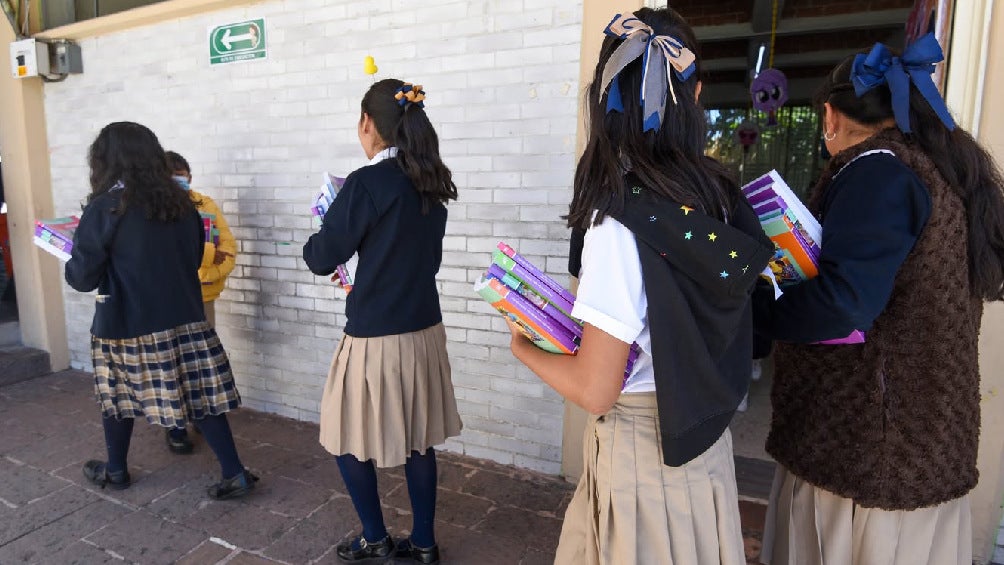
546	281
535	298
555	337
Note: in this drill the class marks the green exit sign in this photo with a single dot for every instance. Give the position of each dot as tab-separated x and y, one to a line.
240	41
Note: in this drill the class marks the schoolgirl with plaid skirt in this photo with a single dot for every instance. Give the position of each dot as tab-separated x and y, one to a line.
389	398
139	244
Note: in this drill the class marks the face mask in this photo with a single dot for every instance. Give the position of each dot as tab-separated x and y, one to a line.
182	182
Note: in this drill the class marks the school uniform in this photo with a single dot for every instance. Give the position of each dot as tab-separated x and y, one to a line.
876	443
154	354
659	480
389	390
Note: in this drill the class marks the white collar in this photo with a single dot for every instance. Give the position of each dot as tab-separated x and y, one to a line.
388	153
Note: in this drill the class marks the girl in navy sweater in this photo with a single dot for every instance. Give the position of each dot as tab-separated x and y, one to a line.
389	398
139	243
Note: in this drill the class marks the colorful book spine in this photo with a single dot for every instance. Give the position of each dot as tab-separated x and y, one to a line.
525	271
56	236
537	326
321	203
535	298
795	232
542	296
546	280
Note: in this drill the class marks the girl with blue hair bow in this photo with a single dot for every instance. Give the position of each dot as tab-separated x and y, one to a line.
876	443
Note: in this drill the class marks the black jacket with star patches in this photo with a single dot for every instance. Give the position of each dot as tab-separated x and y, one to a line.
699	274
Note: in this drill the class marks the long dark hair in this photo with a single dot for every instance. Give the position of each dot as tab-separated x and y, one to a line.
669	161
408	128
130	153
961	161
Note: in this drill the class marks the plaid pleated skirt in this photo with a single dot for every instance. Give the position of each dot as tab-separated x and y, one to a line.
171	377
388	396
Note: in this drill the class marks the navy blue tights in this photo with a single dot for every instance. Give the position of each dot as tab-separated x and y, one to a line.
361	481
216	430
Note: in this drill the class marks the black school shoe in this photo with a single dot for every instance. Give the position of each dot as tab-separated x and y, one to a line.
181	446
234	487
424	555
97	472
359	550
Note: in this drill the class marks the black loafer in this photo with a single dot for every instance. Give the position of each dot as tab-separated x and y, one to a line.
424	555
97	472
359	550
182	446
233	487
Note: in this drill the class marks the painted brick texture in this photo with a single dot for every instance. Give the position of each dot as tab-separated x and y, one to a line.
502	81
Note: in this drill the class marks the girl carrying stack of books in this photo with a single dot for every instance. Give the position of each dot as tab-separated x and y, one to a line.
139	243
669	260
389	398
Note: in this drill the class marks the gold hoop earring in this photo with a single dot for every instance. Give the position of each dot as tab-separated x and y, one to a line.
829	136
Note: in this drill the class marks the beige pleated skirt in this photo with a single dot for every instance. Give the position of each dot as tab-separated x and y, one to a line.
388	396
630	508
807	525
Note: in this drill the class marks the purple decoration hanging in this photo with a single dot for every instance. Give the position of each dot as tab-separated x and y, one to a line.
770	91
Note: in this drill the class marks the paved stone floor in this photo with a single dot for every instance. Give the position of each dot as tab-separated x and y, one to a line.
487	513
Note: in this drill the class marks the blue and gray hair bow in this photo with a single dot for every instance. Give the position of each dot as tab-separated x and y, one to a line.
660	52
917	65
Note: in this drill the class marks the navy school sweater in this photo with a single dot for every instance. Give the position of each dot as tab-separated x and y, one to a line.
146	272
378	214
872	214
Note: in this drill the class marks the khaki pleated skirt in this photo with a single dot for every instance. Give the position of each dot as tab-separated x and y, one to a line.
807	525
630	508
388	396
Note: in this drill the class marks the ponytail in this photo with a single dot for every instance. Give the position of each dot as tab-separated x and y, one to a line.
402	122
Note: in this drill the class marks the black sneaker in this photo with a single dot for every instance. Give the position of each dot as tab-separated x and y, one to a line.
97	472
180	445
424	555
359	550
234	487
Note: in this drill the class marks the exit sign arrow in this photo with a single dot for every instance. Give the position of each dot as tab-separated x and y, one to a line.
228	40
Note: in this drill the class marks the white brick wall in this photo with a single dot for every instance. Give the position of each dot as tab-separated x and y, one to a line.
502	82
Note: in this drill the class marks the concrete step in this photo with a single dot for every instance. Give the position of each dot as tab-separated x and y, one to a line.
10	333
754	478
22	363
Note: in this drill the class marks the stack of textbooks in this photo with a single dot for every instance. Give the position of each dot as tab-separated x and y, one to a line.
329	191
795	232
540	306
56	236
209	225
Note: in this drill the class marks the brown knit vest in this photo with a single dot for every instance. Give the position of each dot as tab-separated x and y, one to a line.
893	423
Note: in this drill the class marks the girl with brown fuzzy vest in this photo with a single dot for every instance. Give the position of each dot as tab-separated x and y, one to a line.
877	442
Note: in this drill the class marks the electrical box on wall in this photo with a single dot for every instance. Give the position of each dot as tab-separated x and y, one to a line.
29	58
52	60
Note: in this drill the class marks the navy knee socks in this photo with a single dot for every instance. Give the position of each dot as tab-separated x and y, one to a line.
361	482
420	470
216	430
117	436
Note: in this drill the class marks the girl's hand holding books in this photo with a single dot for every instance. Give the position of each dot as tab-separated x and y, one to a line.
519	337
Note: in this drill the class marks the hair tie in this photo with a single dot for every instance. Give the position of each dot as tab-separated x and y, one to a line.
662	55
410	94
917	65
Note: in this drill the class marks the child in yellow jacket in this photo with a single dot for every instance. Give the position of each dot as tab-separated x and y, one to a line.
218	260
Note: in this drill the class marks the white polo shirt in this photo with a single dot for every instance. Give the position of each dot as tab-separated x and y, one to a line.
612	297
